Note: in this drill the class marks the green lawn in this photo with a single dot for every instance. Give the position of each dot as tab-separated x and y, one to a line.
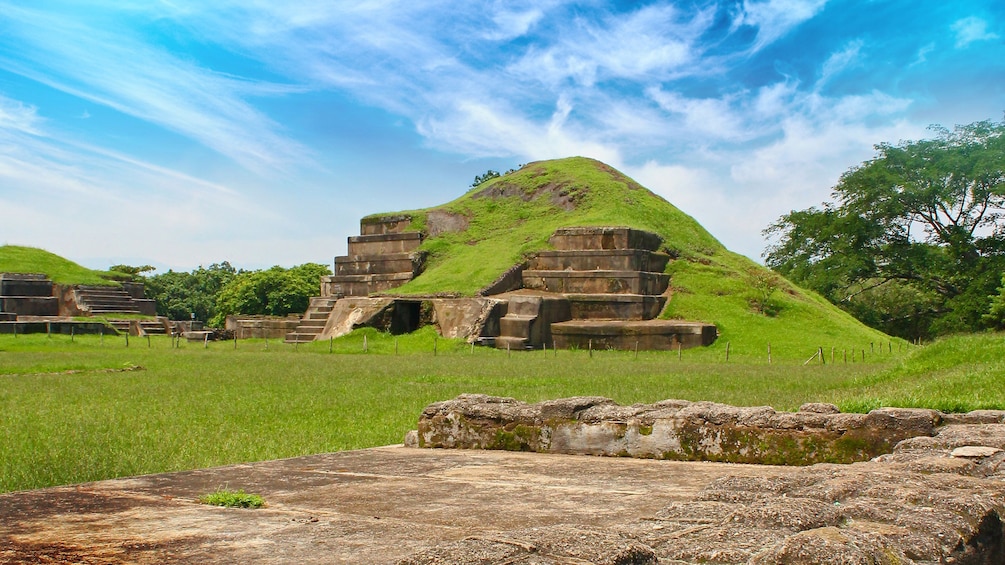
89	409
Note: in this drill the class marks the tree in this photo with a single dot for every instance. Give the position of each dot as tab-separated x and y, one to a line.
130	272
180	294
923	219
489	175
275	292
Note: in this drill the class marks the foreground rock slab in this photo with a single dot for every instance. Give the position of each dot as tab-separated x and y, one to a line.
380	505
918	504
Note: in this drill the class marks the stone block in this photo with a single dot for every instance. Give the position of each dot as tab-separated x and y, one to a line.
24	284
615	306
597	282
380	264
604	238
30	305
602	259
364	285
627	335
700	431
379	244
380	225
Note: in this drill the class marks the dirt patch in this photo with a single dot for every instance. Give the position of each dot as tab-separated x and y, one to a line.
563	195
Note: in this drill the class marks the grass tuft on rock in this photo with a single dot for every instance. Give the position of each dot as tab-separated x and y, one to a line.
232	499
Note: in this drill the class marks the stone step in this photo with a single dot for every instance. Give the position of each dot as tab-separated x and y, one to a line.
615	306
524	305
516	326
114	311
297	337
604	238
321	315
378	225
596	282
380	244
600	259
627	335
511	343
30	305
18	284
313	323
379	264
364	285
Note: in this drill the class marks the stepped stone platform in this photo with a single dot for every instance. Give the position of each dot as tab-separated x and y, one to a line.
938	497
609	274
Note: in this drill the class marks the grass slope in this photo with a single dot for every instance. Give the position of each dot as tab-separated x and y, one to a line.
511	217
17	259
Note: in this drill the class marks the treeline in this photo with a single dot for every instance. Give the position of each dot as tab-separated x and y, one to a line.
215	292
913	242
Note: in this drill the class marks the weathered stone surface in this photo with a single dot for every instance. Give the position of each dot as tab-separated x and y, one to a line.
552	546
975	451
420	506
670	430
819	408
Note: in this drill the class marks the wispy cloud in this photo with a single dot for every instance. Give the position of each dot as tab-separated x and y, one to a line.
120	71
970	30
775	18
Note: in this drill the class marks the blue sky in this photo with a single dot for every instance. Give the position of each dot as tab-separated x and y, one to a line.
181	133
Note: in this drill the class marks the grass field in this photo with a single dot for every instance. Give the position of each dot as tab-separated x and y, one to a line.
90	409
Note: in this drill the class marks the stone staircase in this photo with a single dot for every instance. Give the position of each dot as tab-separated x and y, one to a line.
601	288
383	257
313	321
105	300
376	262
141	327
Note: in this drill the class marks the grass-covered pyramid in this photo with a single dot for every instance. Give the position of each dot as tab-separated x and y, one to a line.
472	240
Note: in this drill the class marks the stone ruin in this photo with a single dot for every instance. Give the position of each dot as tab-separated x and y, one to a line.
32	303
600	287
914	486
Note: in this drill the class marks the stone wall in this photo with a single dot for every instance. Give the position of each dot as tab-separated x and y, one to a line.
679	430
245	327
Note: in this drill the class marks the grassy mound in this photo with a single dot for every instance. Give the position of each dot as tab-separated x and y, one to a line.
16	259
474	239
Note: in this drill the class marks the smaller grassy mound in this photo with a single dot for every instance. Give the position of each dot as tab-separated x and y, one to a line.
17	259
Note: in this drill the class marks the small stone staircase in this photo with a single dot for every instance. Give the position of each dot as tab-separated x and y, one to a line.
528	320
104	300
314	320
140	327
384	256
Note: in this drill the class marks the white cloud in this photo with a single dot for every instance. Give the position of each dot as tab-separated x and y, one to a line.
775	18
15	115
970	30
840	61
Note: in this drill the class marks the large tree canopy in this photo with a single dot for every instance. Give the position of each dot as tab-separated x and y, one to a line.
276	291
914	241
